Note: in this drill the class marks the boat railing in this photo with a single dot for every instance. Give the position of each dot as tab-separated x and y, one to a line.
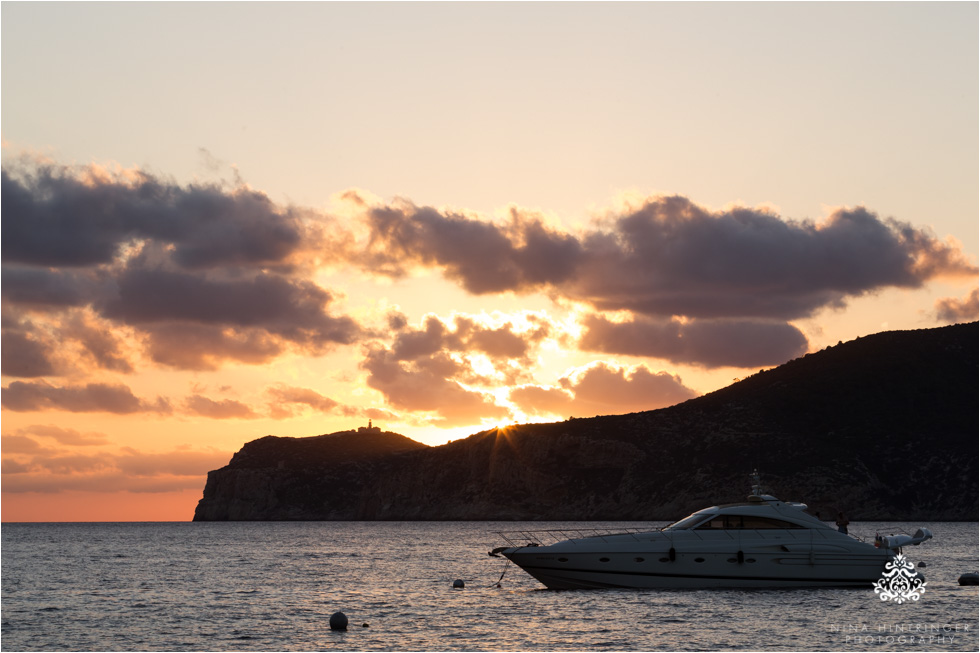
553	536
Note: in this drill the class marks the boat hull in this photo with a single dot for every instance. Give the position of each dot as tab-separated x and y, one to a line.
697	570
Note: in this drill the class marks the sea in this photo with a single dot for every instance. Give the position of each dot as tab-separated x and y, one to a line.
273	586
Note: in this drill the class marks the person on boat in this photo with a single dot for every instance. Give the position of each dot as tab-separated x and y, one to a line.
842	523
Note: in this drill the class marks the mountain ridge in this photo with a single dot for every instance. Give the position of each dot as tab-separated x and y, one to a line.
881	427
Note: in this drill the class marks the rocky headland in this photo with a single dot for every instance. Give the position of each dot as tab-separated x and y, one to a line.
883	427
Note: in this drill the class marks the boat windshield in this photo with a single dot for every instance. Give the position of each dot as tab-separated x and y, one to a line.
687	522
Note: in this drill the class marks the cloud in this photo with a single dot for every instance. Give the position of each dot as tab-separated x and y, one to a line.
20	444
23	356
203	347
710	343
60	216
49	289
538	400
200	273
672	257
107	480
175	463
97	342
668	257
65	436
506	341
427	383
218	409
283	398
286	310
52	471
92	397
602	389
520	255
46	346
952	310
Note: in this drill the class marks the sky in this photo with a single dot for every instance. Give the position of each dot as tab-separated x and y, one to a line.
222	221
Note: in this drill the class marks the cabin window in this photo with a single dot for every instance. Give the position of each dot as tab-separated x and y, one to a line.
737	522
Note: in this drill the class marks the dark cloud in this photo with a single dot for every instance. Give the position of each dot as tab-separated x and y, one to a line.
223	265
710	343
70	217
416	343
218	409
292	309
23	356
670	257
467	335
502	343
603	389
397	320
53	346
51	289
201	347
952	310
92	397
521	255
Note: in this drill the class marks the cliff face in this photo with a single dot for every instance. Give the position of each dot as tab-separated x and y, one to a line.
883	427
322	477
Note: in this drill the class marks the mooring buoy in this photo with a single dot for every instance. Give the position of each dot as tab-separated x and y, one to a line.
969	578
338	621
458	584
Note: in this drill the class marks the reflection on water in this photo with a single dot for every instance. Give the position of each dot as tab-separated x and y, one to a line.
273	586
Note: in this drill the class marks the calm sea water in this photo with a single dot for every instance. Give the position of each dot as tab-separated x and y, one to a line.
273	586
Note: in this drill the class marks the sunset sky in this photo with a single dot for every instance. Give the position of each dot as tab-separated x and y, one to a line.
222	221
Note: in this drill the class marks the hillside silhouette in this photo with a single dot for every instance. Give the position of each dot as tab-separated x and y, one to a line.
883	427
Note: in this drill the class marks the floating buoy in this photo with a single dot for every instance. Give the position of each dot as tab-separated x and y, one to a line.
458	584
922	564
338	621
969	578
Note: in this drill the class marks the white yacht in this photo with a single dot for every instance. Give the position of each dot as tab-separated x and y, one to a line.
763	542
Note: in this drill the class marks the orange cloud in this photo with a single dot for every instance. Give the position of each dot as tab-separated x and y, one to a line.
91	397
218	409
65	436
710	343
952	310
41	469
283	397
602	389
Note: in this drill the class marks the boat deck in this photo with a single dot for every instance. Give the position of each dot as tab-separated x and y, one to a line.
552	536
